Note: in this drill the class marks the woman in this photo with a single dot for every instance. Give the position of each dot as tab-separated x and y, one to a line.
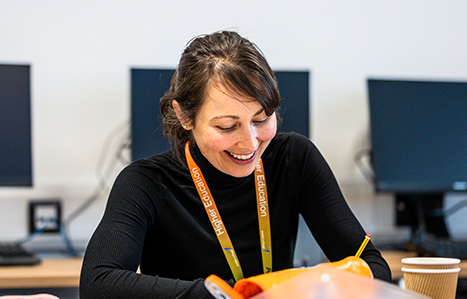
227	198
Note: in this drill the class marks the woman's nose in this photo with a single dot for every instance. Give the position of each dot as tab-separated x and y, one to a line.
248	138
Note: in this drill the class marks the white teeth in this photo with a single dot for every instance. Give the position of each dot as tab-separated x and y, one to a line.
242	157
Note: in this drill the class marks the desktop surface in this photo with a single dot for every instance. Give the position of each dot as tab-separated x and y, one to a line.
49	273
64	272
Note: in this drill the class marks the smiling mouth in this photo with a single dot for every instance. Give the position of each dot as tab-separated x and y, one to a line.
241	157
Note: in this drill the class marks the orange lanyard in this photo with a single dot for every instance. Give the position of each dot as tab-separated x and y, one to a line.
218	224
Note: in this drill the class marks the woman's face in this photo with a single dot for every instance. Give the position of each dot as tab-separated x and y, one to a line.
232	131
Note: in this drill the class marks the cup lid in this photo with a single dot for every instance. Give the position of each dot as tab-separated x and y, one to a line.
430	261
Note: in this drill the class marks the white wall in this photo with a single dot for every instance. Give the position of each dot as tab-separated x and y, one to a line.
81	53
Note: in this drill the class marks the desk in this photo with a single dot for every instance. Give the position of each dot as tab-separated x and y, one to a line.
394	260
65	272
49	273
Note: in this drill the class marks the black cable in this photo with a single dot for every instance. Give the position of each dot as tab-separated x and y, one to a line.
455	208
88	202
66	240
123	147
41	229
37	232
105	149
366	171
102	184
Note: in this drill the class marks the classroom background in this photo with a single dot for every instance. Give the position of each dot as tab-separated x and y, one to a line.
81	53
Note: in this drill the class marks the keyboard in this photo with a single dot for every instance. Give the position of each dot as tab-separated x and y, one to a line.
14	254
428	245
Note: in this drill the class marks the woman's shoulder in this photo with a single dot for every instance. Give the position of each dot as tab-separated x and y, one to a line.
290	136
153	166
290	141
294	148
156	160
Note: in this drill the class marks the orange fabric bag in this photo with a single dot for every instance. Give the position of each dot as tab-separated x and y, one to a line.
248	287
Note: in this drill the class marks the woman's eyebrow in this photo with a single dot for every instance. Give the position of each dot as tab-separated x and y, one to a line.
235	116
259	112
225	116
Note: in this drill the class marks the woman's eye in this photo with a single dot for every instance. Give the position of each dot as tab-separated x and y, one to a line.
226	129
263	121
234	127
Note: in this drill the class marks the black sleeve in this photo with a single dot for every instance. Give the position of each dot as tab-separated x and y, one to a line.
114	251
327	214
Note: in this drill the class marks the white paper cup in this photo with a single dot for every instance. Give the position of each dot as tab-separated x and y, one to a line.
434	283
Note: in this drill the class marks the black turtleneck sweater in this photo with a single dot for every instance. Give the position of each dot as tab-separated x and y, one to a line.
155	219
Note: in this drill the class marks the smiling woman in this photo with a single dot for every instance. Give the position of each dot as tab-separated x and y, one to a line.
231	131
227	71
226	199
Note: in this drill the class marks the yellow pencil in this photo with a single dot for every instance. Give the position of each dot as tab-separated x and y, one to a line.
362	247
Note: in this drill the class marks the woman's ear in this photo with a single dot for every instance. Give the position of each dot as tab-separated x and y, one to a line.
180	115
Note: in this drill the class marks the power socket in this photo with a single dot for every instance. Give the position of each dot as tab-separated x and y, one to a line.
45	215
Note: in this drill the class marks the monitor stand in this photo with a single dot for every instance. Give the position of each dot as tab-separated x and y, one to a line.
423	213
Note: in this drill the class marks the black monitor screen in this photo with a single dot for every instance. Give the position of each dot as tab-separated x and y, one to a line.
419	135
15	126
149	85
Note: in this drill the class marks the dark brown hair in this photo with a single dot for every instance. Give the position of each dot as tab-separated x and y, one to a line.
223	58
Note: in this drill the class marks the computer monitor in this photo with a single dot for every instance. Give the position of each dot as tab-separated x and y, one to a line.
149	85
419	146
15	126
